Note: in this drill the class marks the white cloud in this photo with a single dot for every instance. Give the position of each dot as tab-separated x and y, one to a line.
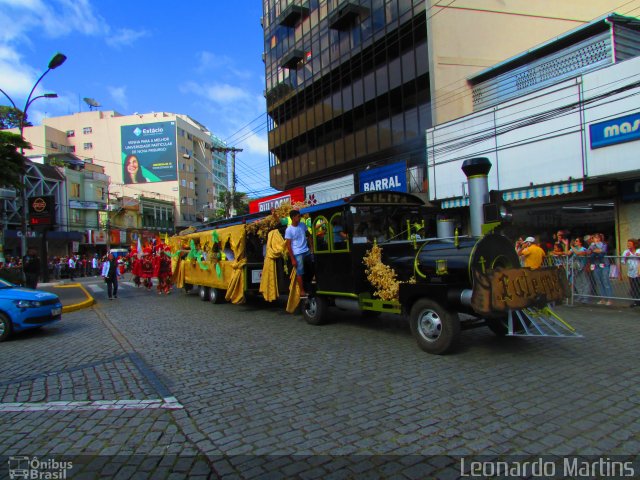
125	37
222	94
119	96
255	144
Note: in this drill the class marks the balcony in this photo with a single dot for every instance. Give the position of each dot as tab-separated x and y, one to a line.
292	15
291	59
344	16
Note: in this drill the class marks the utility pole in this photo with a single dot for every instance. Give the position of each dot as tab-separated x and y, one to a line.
233	150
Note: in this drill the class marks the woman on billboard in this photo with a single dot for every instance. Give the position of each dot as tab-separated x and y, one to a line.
132	170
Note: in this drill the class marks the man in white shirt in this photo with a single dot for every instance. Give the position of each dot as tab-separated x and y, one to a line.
72	267
94	265
296	240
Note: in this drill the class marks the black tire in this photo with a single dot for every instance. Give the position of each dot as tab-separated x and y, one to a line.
5	327
436	329
205	293
216	295
187	288
314	310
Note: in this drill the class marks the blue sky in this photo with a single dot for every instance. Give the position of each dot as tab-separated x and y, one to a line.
202	58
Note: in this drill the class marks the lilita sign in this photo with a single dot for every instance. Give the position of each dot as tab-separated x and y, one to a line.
618	130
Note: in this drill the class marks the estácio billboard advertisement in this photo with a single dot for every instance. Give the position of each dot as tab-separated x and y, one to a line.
148	152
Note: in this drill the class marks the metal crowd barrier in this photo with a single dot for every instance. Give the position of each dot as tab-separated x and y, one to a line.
605	283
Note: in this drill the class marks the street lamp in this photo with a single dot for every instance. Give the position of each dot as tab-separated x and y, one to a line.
57	60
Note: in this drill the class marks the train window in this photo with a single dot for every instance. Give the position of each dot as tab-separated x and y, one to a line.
320	235
385	223
338	234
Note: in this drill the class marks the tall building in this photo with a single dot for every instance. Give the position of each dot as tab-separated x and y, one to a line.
354	84
156	153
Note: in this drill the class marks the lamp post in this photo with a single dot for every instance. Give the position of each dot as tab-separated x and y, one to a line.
57	60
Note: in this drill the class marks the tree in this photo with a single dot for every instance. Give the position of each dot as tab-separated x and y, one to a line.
239	203
10	118
11	160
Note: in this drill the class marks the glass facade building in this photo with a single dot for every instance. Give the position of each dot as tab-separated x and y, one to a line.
347	86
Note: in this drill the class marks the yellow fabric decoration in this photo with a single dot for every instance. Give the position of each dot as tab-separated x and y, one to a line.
294	293
177	277
235	290
269	281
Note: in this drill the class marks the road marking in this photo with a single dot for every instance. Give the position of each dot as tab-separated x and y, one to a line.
96	288
167	403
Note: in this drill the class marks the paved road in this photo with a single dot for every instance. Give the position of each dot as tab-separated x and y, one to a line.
150	386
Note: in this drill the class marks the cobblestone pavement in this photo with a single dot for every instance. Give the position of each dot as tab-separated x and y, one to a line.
151	386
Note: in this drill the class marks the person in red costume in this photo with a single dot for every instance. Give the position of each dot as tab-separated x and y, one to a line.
164	270
146	268
136	266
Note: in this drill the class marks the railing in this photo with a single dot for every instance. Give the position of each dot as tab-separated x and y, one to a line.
603	282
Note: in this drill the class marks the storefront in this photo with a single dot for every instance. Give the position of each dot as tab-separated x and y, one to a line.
565	157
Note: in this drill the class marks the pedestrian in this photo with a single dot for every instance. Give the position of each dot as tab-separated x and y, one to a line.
578	256
110	273
296	241
72	267
599	265
631	257
31	268
532	254
94	265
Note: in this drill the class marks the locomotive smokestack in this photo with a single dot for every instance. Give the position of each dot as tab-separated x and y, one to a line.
477	172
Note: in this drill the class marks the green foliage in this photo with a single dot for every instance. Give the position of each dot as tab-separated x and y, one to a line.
10	118
11	160
239	202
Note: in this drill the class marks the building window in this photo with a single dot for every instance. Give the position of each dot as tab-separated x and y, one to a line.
191	185
87	130
183	182
53	145
72	149
88	146
75	190
71	133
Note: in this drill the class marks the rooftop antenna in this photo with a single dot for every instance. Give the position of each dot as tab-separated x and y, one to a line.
91	102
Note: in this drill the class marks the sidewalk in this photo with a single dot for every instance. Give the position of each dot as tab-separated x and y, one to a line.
72	295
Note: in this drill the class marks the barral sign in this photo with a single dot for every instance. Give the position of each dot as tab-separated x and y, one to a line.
618	130
265	204
148	152
391	177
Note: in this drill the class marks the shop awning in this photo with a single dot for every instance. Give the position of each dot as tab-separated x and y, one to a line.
455	202
544	191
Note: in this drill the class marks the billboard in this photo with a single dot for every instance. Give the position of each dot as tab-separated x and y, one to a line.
42	211
389	177
617	130
149	152
265	204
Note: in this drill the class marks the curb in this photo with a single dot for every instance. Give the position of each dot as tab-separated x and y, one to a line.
77	306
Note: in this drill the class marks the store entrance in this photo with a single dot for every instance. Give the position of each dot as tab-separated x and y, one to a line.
577	218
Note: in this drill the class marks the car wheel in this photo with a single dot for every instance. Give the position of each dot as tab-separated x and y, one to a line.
314	310
5	327
204	293
436	329
216	295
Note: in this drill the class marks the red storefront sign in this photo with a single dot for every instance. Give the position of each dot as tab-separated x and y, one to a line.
265	204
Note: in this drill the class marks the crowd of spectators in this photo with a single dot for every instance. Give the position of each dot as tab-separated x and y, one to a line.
591	261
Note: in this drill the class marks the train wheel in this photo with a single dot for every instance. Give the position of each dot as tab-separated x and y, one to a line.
314	310
216	295
204	293
435	329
